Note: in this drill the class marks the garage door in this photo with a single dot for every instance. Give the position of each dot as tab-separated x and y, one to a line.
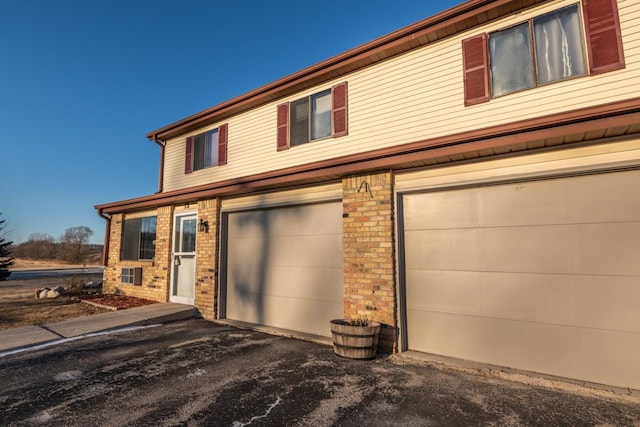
542	275
284	267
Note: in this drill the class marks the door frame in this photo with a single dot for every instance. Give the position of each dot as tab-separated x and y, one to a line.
174	254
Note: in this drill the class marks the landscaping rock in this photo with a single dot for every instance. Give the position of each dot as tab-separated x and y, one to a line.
50	293
55	292
93	285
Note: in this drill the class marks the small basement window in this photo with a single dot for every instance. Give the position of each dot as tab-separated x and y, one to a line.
131	275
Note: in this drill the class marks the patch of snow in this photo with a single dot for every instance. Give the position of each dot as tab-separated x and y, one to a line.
42	418
68	376
197	373
256	418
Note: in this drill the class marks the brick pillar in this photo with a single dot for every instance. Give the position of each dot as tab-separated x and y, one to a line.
369	280
205	298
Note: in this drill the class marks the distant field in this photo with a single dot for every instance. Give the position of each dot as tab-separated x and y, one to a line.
36	264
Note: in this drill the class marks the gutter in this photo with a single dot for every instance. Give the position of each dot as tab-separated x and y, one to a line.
107	237
162	144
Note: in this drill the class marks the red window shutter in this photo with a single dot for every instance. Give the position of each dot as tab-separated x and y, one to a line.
602	24
188	158
223	131
340	100
475	64
283	126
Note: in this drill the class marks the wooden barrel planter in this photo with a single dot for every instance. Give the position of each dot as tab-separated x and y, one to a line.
355	342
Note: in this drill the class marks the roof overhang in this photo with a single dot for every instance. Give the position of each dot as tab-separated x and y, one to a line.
617	119
443	25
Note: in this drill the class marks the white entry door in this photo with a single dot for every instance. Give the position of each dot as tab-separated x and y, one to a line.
183	258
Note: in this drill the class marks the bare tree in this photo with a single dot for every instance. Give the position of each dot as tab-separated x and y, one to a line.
38	246
74	241
6	259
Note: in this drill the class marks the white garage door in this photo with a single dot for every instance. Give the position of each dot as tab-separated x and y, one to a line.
542	275
284	267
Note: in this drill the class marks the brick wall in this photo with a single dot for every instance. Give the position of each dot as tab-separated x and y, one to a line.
155	274
369	280
205	298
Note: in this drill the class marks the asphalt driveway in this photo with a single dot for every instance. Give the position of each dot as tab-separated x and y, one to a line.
196	373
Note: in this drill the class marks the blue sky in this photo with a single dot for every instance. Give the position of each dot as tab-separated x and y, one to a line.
82	82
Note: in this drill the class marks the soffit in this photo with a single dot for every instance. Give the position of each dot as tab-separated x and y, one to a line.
517	145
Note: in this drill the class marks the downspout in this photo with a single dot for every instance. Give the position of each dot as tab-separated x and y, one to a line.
107	238
162	145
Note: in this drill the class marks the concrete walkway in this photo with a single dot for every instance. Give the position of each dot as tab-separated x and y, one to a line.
28	336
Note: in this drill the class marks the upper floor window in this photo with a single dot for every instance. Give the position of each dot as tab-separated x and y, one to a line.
318	116
206	149
310	118
557	52
545	49
138	239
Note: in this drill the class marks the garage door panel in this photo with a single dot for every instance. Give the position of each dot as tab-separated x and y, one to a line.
310	251
580	301
527	203
608	248
594	354
489	249
282	312
600	249
262	223
293	282
284	267
243	300
247	251
289	221
541	275
246	224
326	219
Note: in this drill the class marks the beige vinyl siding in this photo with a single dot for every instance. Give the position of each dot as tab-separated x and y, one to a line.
412	97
